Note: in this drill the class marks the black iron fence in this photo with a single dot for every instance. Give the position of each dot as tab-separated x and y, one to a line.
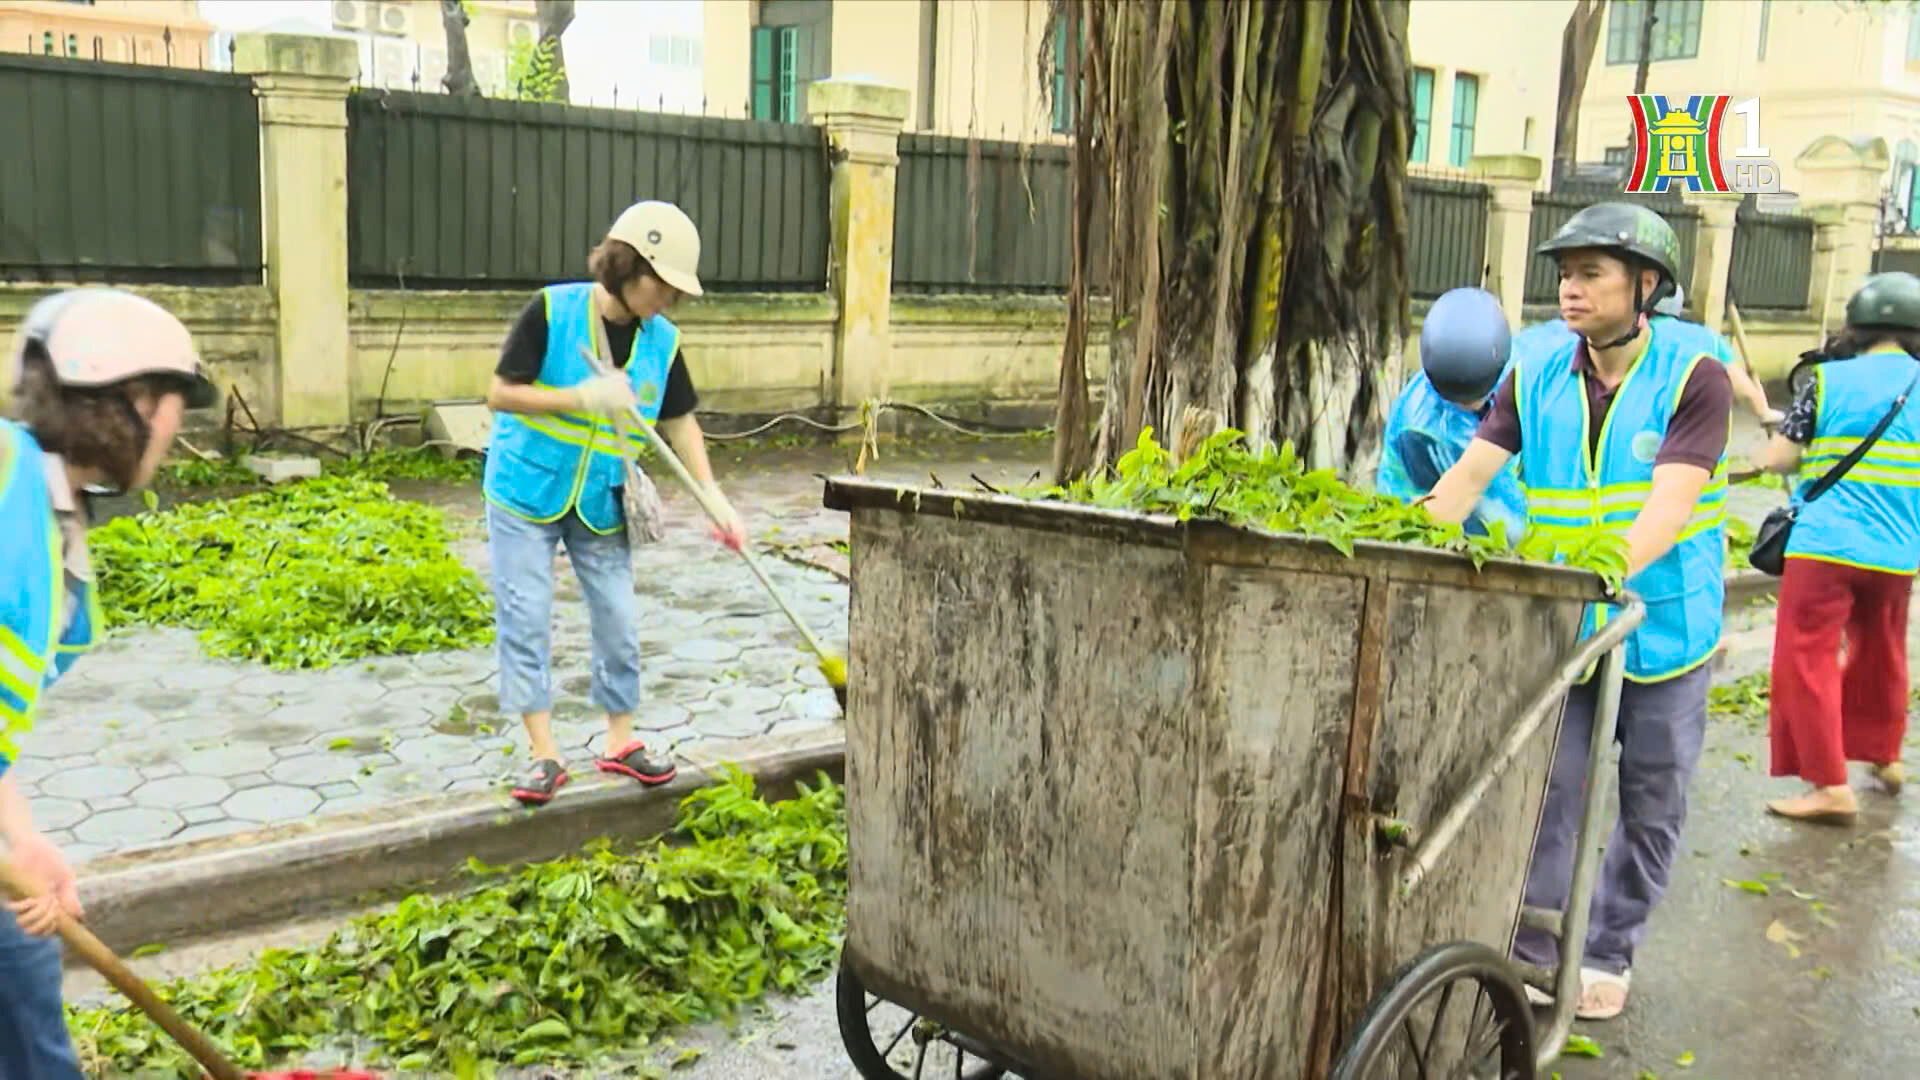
985	215
1447	234
127	173
1772	261
1552	209
459	192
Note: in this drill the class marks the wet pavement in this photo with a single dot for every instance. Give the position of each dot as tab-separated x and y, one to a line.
148	742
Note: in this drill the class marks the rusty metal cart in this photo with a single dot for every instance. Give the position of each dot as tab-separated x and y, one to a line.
1131	798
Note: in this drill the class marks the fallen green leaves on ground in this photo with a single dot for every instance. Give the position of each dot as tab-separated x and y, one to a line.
1745	699
401	463
1272	490
303	575
566	962
1739	543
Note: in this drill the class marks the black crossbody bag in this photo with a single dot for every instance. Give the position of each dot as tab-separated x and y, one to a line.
1769	554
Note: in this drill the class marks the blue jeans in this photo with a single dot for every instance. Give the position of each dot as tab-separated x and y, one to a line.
1662	728
33	1026
522	554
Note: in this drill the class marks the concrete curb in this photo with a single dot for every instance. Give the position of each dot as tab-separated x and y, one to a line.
179	892
1744	586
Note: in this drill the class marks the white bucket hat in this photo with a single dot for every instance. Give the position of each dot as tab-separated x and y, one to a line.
665	236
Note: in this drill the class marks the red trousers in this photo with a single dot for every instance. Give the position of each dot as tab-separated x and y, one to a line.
1826	711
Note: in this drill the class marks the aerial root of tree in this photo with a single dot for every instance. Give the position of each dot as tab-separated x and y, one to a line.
1255	159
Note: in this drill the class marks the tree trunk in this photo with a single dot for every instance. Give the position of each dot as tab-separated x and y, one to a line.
1256	153
1072	444
554	16
1647	22
459	78
1577	46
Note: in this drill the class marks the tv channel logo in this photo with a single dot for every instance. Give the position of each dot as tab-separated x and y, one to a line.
1681	144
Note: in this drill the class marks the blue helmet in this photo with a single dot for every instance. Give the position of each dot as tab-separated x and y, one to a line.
1464	342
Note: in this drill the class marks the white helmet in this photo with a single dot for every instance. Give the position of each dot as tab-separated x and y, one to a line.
98	338
1672	304
665	236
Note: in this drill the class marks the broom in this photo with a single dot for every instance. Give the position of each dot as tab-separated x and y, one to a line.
832	665
190	1038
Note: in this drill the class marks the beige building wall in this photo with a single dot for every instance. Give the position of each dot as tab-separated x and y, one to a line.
1513	48
970	66
1816	68
118	31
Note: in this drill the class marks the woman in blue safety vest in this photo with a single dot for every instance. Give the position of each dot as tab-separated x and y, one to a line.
1464	350
99	380
1851	557
556	467
1624	426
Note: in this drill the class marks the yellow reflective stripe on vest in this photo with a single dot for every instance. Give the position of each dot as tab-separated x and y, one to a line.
1890	464
1614	507
21	671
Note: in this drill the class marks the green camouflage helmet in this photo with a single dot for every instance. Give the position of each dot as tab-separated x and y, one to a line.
1623	228
1890	299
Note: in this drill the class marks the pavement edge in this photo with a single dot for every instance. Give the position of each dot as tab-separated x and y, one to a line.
169	896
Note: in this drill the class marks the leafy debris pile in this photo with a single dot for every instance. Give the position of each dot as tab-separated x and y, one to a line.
304	575
400	463
1273	491
565	963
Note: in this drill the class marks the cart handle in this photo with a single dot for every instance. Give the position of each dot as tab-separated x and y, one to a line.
1611	636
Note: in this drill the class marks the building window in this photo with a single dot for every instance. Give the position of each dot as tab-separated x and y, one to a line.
1065	34
790	50
1676	30
1422	114
1766	16
1466	107
46	43
73	45
1913	36
99	48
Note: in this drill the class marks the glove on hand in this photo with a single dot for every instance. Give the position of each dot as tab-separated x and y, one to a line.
608	395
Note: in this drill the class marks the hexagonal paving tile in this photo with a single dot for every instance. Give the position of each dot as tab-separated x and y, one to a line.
435	700
136	752
179	792
387	715
339	790
219	827
91	782
116	829
817	705
745	700
437	751
206	675
75	691
229	760
311	769
706	651
161	702
660	715
200	815
51	814
728	724
272	802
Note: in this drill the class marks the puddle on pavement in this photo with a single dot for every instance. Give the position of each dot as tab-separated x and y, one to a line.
164	701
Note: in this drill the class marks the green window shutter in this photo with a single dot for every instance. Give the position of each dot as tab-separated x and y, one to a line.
763	73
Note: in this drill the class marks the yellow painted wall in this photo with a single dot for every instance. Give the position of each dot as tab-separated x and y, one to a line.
1825	69
1513	47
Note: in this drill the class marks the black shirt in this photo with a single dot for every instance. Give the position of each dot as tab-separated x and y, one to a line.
525	352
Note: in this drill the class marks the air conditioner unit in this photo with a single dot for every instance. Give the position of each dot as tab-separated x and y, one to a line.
352	14
522	32
395	20
433	68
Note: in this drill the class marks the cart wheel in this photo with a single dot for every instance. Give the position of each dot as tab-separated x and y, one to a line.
1457	1011
913	1048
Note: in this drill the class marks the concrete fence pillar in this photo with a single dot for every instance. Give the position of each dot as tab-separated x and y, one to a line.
1712	256
1513	179
863	120
302	84
1840	186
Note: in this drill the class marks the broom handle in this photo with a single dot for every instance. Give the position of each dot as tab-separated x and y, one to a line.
102	960
707	503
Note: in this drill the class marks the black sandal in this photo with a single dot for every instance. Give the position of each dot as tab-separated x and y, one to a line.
546	777
636	762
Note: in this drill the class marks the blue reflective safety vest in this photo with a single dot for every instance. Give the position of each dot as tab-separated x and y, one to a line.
1711	342
1568	492
1425	435
48	616
540	467
1871	518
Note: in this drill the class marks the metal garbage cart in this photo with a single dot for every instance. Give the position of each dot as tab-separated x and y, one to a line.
1131	798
